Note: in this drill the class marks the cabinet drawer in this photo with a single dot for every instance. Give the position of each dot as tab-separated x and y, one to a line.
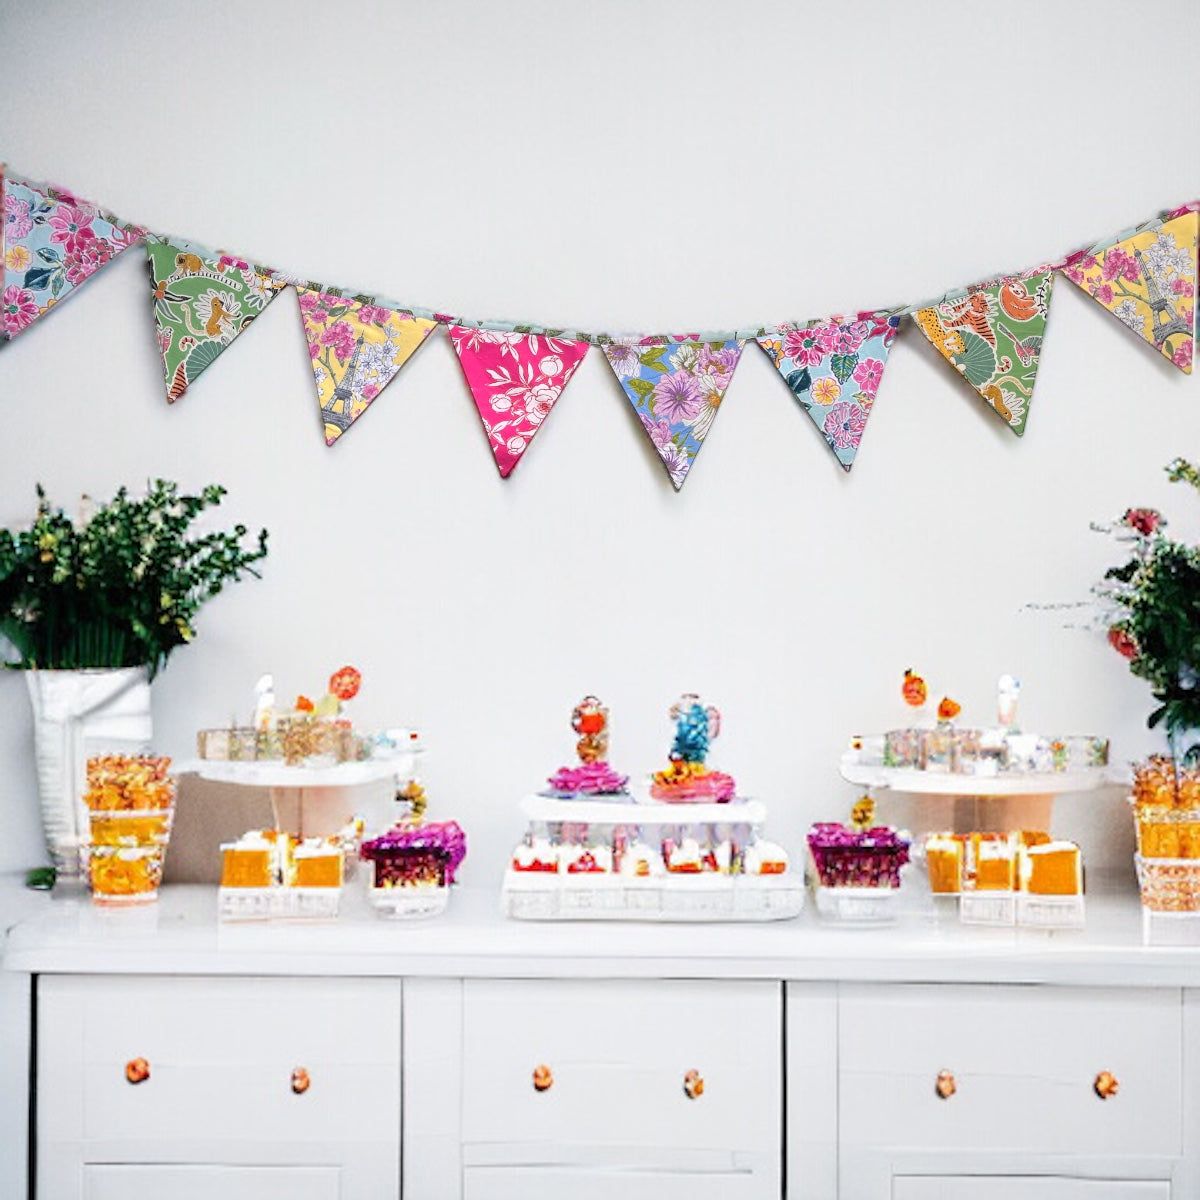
601	1183
220	1056
1024	1062
184	1181
1028	1187
618	1054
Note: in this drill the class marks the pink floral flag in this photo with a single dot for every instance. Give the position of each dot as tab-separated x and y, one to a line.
357	347
515	380
834	368
676	385
52	242
1148	282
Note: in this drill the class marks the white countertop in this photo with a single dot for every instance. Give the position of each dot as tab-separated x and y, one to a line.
180	934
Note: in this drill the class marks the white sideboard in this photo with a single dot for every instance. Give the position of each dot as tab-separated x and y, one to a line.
479	1058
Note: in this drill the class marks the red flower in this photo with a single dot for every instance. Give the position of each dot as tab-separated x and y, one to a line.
344	684
303	704
1121	640
1142	520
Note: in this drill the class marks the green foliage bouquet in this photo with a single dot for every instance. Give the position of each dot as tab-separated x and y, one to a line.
119	588
1153	612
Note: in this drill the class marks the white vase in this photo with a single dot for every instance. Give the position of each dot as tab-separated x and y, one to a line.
76	715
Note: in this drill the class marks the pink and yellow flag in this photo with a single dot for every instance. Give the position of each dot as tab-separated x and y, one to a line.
357	347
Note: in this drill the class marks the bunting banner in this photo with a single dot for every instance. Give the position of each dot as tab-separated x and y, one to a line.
1148	282
515	380
676	400
834	368
52	242
992	333
202	301
357	346
993	336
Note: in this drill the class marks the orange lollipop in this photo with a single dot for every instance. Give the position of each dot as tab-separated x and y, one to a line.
913	689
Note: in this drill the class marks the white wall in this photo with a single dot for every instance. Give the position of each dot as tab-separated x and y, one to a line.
632	166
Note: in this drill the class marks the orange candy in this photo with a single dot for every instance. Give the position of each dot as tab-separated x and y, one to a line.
913	689
948	709
344	684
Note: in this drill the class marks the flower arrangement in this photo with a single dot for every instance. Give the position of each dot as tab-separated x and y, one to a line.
119	588
1152	604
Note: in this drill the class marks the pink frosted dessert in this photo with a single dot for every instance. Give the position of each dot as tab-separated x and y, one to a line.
588	779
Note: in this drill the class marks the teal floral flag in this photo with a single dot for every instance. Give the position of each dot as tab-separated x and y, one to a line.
834	368
992	334
676	385
202	301
52	242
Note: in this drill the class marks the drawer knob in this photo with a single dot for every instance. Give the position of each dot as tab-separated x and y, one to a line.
693	1085
543	1078
1106	1085
945	1086
137	1070
300	1081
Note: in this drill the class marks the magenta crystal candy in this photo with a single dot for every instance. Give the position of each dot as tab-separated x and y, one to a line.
857	858
590	779
444	836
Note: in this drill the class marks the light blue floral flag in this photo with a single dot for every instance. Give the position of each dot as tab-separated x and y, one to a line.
834	368
676	385
51	242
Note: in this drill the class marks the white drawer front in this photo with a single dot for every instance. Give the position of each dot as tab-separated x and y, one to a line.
220	1055
1024	1062
1026	1187
619	1053
612	1183
189	1182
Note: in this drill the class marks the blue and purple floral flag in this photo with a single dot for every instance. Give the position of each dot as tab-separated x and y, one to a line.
676	385
52	242
834	368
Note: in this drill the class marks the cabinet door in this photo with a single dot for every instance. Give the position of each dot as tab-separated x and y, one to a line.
608	1183
184	1181
225	1072
1026	1187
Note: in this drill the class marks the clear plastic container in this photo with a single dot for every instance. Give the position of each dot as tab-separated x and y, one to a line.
121	875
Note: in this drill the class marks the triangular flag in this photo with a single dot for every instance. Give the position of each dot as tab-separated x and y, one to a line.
1148	282
202	301
993	335
834	368
357	347
676	385
52	242
515	380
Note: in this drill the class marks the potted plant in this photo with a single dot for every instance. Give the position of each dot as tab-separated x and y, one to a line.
93	609
1152	610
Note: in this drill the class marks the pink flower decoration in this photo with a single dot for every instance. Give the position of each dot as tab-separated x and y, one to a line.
72	227
1074	274
867	375
20	309
677	462
803	347
227	260
676	398
341	337
86	261
844	424
372	314
1182	357
310	302
370	391
17	219
1182	286
717	362
314	350
1103	292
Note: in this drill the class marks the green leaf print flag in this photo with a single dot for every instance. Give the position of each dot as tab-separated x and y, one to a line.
993	336
202	301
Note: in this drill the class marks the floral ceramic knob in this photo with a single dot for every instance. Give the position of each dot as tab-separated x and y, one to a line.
137	1070
301	1081
543	1078
693	1085
1106	1085
945	1085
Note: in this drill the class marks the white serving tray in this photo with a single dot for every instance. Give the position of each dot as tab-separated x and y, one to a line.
278	903
545	896
947	783
275	774
639	811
